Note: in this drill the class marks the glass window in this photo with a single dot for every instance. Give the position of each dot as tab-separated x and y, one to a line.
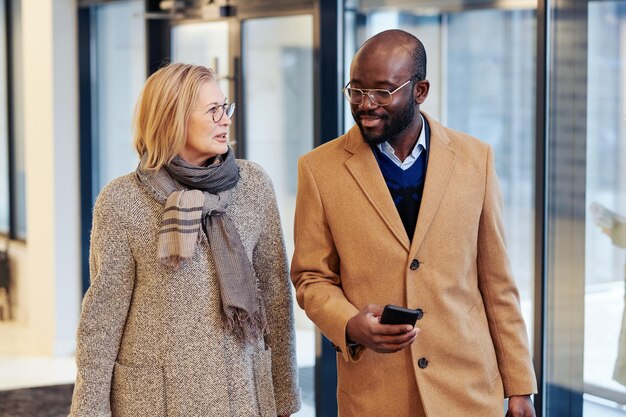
4	138
605	224
120	74
19	169
585	362
19	156
483	84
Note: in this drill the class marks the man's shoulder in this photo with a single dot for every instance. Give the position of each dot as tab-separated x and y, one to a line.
327	153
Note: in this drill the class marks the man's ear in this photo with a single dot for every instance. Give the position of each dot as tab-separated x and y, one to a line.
421	91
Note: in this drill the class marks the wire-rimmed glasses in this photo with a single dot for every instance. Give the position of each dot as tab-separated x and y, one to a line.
378	96
219	111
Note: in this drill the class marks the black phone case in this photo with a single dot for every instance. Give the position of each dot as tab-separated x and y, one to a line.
398	315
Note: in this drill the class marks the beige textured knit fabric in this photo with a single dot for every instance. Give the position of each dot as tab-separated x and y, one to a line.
151	341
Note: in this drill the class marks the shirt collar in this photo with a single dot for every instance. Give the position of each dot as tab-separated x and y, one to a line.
387	149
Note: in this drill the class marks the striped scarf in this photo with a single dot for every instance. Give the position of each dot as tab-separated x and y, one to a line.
196	198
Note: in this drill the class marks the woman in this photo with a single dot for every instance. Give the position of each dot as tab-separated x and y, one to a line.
189	309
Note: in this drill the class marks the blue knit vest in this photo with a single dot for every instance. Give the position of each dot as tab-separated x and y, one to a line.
406	186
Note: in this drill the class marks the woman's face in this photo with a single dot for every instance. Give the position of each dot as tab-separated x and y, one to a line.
205	137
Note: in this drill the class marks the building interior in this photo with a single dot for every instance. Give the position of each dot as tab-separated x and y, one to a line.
543	82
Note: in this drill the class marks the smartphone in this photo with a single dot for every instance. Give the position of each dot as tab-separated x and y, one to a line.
398	315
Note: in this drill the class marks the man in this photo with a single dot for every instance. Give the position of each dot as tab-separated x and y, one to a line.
404	211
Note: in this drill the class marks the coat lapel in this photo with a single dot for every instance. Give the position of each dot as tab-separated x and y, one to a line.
366	172
438	172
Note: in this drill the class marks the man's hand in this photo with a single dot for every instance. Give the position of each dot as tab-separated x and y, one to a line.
520	406
365	329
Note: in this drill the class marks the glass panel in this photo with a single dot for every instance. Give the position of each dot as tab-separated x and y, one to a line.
605	221
500	112
4	140
483	84
203	44
19	179
121	73
278	85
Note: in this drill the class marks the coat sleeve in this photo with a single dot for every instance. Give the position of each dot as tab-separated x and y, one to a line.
500	294
104	310
315	268
270	266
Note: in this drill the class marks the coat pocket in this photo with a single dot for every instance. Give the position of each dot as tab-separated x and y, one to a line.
264	383
138	391
482	337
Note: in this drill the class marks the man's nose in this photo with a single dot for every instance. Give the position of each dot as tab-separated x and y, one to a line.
367	102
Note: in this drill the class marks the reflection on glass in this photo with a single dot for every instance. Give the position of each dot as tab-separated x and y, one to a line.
605	231
278	106
481	67
121	72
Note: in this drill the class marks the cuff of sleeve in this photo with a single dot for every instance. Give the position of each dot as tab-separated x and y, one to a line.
349	350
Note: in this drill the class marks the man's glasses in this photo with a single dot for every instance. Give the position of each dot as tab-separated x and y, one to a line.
219	111
378	96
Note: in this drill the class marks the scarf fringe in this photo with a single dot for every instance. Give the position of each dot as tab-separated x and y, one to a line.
246	326
172	261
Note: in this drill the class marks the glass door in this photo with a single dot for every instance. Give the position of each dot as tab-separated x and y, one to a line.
278	105
270	77
207	44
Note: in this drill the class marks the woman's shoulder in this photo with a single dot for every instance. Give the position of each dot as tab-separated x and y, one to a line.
119	192
252	174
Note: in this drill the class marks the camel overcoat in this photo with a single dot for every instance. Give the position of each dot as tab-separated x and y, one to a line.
151	341
351	250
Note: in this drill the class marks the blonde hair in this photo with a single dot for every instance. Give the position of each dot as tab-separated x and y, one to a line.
163	109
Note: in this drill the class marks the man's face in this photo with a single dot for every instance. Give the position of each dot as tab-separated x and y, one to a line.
386	123
382	123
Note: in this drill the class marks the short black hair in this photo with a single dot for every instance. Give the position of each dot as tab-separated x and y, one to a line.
418	52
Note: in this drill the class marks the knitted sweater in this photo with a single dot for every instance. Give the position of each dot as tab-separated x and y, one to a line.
406	187
150	338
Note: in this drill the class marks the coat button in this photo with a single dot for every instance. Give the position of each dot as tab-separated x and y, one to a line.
422	363
420	313
415	264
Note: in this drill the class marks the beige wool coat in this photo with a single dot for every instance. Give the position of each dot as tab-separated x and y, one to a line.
352	250
150	339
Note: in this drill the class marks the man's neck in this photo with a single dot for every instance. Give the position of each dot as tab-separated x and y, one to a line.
404	144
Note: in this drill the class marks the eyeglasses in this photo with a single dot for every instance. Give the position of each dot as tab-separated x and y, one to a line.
378	96
219	111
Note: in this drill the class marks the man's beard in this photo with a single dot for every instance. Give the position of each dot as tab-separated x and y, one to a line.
391	128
